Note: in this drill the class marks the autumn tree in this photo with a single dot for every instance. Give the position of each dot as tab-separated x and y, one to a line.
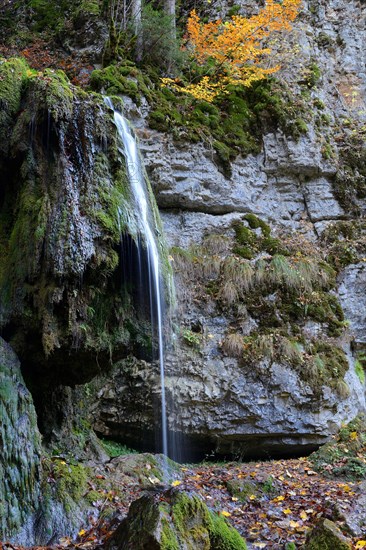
235	51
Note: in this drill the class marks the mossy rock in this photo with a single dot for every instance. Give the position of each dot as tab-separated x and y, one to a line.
326	536
174	521
340	457
20	455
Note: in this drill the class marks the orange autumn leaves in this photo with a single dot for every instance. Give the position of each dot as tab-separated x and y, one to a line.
235	51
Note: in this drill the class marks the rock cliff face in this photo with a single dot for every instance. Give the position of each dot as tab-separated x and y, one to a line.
253	370
64	203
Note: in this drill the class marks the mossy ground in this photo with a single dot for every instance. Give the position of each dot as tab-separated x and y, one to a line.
344	455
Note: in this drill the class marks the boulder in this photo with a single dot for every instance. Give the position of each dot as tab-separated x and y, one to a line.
326	536
173	520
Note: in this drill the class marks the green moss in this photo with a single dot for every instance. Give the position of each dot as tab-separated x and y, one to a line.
13	75
256	223
243	234
241	489
224	537
114	448
328	365
301	126
48	14
71	480
350	182
326	308
346	242
92	7
169	539
326	536
360	372
250	243
114	80
312	75
232	125
194	522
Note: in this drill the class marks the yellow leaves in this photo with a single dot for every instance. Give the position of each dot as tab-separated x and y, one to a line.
176	483
303	515
252	497
287	511
225	513
204	90
360	544
82	532
237	47
278	499
353	435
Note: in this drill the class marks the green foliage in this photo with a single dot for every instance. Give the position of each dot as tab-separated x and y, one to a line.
346	242
312	75
159	46
191	338
48	14
114	448
280	292
350	182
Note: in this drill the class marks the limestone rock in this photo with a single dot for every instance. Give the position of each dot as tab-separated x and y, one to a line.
356	517
173	520
326	536
20	452
352	294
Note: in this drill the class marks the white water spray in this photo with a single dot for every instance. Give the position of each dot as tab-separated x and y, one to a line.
137	181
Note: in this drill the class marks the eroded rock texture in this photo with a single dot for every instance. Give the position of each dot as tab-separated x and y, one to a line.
263	364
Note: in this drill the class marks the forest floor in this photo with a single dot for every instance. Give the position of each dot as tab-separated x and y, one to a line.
270	503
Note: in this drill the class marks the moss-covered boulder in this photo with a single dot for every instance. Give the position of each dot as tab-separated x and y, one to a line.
342	456
20	448
326	536
174	521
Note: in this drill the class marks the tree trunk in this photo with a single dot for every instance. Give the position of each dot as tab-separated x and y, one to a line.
136	10
169	8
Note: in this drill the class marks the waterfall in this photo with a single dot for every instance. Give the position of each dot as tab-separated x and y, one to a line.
137	179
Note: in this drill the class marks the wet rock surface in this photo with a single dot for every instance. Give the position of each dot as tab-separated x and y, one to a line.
293	184
20	458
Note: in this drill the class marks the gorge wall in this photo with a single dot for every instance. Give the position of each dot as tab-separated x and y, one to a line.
264	222
256	367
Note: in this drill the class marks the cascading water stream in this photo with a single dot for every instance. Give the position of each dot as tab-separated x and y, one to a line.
137	181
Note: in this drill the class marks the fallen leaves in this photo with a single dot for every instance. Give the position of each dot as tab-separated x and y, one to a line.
281	503
176	483
288	499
